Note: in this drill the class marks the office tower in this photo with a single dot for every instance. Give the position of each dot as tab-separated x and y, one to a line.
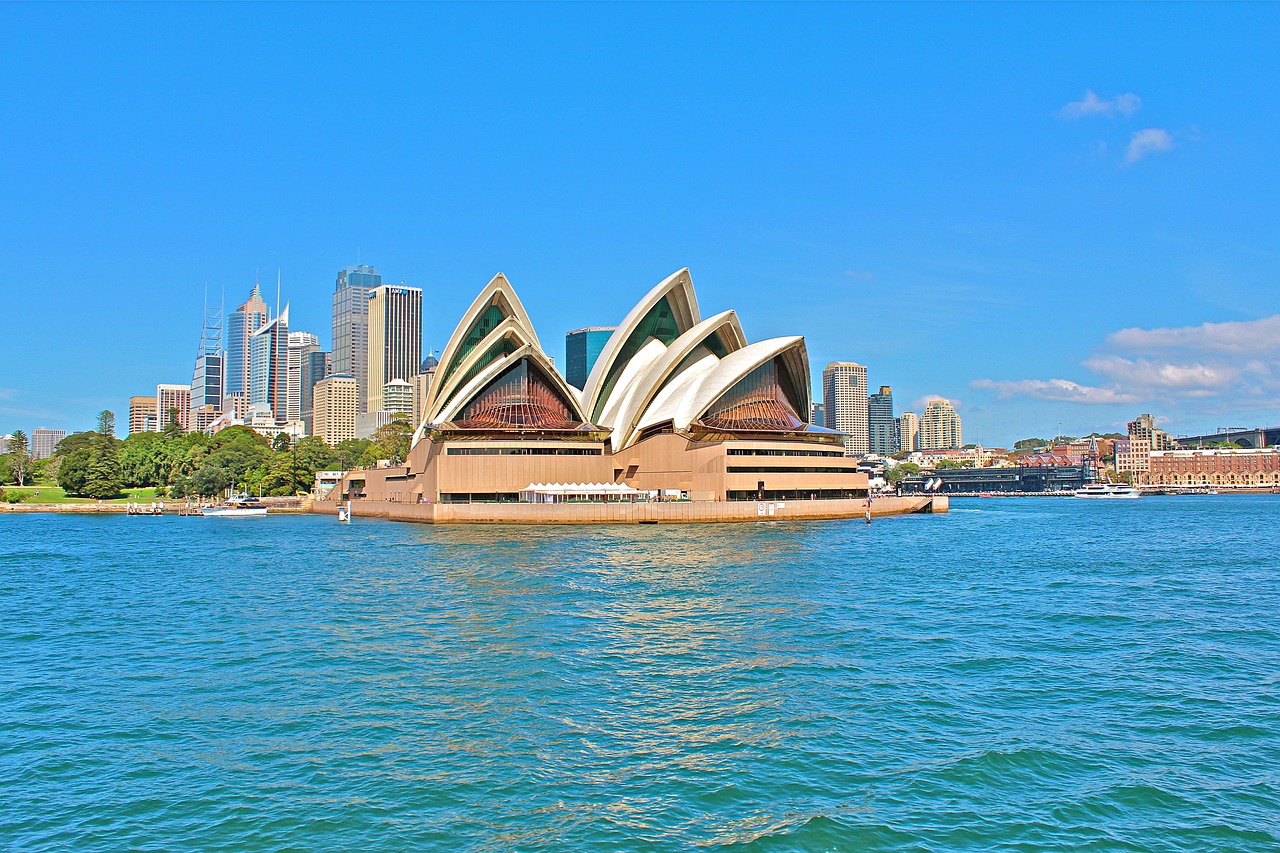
335	408
395	339
45	441
315	366
140	409
301	346
909	431
817	414
241	324
5	443
844	397
939	426
581	349
169	398
351	323
269	368
208	381
880	422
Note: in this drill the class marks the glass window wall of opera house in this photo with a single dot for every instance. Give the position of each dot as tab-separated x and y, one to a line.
675	404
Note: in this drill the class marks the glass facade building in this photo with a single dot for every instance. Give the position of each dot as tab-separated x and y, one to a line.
881	422
351	324
581	349
240	326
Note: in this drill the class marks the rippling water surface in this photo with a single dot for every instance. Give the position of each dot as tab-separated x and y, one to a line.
1021	674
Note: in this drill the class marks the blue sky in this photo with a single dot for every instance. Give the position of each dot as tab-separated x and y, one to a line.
1058	216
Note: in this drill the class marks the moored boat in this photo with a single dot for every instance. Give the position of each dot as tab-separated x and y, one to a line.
1108	490
238	506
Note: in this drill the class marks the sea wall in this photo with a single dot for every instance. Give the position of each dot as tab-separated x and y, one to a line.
638	513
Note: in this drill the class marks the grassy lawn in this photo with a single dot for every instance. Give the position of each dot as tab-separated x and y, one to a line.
49	493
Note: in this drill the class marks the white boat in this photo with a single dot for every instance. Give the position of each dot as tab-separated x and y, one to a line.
237	507
1108	490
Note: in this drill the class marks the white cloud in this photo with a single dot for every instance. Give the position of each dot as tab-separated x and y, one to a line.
1144	143
1247	337
918	404
1057	390
1092	105
1228	368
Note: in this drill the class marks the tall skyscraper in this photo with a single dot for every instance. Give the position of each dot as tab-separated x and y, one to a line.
581	349
269	367
909	431
940	426
241	324
170	398
301	346
844	397
818	414
881	423
351	323
335	408
142	415
208	381
395	339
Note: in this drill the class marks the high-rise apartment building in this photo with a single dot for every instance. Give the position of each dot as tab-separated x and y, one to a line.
351	323
1144	437
844	396
269	367
45	441
397	397
170	398
881	423
241	324
909	431
395	339
142	409
581	349
940	426
335	408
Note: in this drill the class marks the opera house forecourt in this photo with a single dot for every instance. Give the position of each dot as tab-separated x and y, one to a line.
680	419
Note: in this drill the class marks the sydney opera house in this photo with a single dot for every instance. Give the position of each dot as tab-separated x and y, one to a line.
676	406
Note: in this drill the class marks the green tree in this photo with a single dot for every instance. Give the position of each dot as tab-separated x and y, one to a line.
1029	443
350	451
210	481
281	442
88	465
174	427
897	473
391	441
143	459
102	477
107	423
19	457
948	464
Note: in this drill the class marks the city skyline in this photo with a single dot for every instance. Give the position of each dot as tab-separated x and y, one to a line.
1093	242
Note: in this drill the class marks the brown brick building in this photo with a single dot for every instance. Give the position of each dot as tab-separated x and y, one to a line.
1219	467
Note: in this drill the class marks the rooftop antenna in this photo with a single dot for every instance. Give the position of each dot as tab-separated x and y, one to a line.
211	329
277	291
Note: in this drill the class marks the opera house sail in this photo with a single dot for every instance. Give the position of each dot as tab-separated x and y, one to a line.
676	407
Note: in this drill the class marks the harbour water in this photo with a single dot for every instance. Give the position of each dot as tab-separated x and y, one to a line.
1031	674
